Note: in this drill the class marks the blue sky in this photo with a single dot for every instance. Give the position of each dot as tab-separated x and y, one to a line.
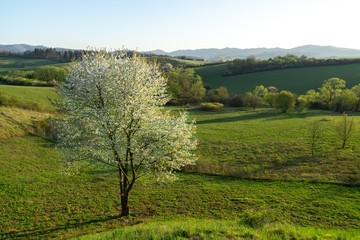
180	24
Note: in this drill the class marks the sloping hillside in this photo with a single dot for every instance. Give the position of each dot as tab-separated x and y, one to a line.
297	80
265	53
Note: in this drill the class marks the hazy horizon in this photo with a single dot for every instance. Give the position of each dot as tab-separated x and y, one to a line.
180	25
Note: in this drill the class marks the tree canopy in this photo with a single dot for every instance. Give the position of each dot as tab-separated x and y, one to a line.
185	86
115	116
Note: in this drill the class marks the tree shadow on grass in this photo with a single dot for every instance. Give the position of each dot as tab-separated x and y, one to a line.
266	115
46	233
244	116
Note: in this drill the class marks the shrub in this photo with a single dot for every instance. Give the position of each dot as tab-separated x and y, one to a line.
285	101
236	101
345	101
215	106
45	128
252	100
218	95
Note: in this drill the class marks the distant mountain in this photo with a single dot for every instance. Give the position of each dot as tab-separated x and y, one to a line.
265	53
19	48
215	54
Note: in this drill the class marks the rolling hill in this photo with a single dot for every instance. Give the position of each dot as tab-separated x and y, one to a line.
297	80
215	54
19	48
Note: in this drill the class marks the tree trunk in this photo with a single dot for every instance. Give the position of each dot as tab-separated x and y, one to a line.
123	192
343	144
124	205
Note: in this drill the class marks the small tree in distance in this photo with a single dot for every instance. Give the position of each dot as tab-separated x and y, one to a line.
315	130
220	95
115	116
345	129
251	100
285	101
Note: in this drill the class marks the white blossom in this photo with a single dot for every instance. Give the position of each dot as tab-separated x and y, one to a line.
115	115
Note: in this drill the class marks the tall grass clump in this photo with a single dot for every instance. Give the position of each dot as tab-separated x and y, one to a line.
218	229
11	101
213	106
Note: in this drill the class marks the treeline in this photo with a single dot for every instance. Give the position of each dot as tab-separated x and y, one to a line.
186	88
332	95
63	55
251	64
45	76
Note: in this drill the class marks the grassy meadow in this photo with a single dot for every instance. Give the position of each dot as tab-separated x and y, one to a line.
297	80
38	95
218	229
39	200
255	179
17	63
266	144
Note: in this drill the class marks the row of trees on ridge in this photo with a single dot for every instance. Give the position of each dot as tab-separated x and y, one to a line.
251	64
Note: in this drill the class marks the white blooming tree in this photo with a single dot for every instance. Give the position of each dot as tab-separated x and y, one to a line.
115	115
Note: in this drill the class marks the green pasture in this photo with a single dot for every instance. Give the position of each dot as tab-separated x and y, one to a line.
255	179
40	200
267	144
194	63
247	192
17	63
40	95
297	80
218	230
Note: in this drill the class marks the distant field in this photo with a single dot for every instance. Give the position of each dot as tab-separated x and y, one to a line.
297	80
14	63
39	95
191	62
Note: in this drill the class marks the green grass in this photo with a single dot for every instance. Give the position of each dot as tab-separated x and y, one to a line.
297	80
16	122
218	229
267	144
40	200
17	63
191	62
39	95
256	180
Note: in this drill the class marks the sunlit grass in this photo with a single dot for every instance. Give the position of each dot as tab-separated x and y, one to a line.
38	95
219	229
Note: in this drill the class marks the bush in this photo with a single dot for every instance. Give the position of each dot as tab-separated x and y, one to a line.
218	95
212	106
345	101
251	100
236	101
285	101
25	81
45	128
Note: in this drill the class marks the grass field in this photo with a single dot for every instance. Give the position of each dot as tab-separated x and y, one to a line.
194	63
297	80
218	229
267	144
255	179
13	63
40	201
40	95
